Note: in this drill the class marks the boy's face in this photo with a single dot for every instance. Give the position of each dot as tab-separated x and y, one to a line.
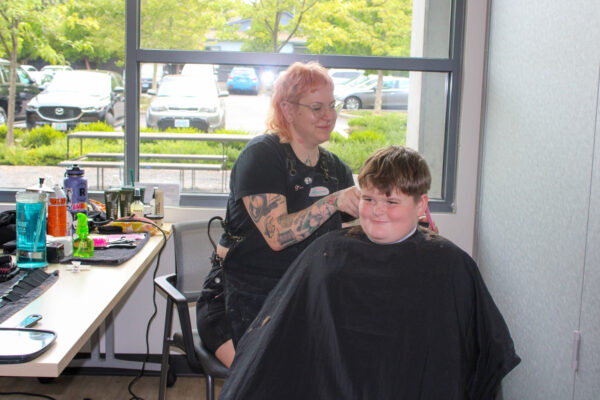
387	219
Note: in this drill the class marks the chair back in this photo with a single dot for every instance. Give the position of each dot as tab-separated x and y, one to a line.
193	250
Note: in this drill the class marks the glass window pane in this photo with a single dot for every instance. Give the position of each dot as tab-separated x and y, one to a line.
413	113
86	37
387	28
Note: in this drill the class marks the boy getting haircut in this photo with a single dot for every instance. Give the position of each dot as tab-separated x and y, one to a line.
385	311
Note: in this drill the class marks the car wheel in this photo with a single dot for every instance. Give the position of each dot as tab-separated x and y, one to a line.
352	103
109	119
2	116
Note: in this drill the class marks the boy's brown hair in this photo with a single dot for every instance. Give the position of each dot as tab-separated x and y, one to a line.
396	167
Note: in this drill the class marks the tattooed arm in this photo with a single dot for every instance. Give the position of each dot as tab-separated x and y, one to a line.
280	229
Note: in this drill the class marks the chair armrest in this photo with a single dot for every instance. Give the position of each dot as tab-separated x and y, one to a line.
163	282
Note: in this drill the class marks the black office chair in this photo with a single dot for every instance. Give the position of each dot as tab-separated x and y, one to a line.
192	264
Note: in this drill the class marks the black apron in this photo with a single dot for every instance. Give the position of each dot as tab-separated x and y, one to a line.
251	268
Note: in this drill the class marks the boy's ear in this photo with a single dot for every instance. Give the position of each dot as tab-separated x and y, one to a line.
423	203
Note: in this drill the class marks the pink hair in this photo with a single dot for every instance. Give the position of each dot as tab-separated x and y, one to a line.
297	80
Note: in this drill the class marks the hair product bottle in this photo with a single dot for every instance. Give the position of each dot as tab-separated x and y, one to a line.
83	246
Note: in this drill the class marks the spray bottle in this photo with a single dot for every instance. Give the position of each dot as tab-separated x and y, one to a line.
83	246
57	212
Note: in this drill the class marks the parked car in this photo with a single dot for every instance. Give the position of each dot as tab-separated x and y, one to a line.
394	95
184	101
56	68
147	75
205	70
341	76
41	78
26	90
29	68
343	90
79	97
242	79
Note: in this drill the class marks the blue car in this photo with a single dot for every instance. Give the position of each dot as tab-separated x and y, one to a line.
242	79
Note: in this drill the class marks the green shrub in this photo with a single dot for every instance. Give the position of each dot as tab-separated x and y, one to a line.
389	124
46	155
366	136
94	126
43	135
368	133
4	130
352	154
337	137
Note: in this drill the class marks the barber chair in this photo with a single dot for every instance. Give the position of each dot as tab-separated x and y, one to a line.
192	264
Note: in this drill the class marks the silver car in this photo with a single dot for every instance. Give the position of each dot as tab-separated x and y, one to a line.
394	94
185	101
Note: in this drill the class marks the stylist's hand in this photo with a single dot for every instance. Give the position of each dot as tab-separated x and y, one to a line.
347	200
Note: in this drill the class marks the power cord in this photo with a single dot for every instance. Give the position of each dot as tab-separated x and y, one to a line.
43	396
146	358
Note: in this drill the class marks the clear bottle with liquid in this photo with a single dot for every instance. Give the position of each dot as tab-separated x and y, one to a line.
137	207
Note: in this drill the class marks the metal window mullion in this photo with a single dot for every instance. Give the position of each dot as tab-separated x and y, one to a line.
132	90
448	190
260	59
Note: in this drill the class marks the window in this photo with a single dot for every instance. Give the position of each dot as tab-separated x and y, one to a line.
414	46
405	52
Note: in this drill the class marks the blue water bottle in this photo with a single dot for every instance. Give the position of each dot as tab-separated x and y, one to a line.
31	229
76	190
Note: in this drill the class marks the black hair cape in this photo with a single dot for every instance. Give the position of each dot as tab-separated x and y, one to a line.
355	320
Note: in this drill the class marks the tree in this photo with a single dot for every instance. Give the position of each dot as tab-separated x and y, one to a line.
91	31
362	27
180	24
21	20
273	22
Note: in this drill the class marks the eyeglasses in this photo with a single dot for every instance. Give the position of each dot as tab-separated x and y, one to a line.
319	109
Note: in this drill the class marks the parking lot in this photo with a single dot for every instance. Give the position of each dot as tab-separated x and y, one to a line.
243	112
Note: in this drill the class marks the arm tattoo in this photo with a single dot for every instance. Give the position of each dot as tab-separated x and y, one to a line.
304	223
286	238
269	227
259	208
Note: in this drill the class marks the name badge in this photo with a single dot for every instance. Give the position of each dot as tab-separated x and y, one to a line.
318	191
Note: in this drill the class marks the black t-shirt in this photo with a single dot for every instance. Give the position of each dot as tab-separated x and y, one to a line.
264	167
251	267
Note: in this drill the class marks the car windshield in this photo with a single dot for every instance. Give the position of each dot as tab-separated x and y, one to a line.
90	83
186	88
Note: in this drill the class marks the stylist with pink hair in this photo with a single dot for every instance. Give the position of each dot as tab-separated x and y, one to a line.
285	191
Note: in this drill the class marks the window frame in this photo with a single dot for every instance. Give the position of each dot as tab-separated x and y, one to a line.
134	56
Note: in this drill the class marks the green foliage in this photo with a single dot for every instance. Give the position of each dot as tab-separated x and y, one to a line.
94	126
361	27
42	136
392	125
181	24
44	155
47	146
352	154
369	133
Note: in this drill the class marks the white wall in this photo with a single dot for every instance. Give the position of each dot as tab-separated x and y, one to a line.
536	184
